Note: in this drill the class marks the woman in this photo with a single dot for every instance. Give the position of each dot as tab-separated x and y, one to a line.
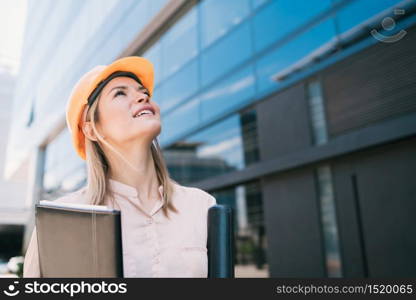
114	124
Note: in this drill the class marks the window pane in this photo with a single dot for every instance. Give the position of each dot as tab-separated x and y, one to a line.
158	96
75	180
228	94
281	17
180	120
249	133
218	17
135	20
179	44
154	54
359	11
302	47
60	163
257	3
250	236
216	150
180	86
227	54
329	221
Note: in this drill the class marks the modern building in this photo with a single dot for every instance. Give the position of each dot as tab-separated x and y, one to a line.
301	115
13	215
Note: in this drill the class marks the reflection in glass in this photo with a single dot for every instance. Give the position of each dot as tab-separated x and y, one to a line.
250	237
180	86
77	179
180	43
280	18
64	170
226	146
329	221
300	50
257	3
228	94
174	124
154	54
249	135
226	54
218	17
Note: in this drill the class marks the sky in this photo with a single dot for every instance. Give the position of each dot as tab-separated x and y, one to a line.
12	25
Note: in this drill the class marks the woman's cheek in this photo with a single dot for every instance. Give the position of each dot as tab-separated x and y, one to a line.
116	125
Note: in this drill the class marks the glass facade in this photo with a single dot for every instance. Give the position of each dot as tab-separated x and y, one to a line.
235	58
61	174
227	146
329	221
215	23
286	16
179	44
359	12
250	235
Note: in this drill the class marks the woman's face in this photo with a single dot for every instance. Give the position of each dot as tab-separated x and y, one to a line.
121	99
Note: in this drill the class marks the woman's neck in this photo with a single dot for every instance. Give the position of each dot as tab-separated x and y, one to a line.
143	177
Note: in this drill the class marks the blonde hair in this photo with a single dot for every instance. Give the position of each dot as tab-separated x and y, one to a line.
98	166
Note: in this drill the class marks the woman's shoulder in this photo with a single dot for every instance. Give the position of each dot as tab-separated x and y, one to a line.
194	193
77	196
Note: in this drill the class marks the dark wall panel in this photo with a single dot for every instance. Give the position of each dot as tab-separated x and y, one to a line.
349	227
385	195
293	225
283	123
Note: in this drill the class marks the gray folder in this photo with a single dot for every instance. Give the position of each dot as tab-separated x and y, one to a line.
76	240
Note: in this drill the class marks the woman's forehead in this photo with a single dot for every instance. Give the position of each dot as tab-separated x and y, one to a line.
120	81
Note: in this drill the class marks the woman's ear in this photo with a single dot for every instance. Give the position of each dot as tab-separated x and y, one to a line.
88	131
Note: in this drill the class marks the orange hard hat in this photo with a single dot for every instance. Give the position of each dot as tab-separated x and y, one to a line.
78	99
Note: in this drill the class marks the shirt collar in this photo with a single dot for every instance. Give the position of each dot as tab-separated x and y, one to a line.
127	190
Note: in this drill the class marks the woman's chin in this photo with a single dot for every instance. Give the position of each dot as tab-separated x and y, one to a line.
150	130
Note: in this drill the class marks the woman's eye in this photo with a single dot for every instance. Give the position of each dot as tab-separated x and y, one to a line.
119	92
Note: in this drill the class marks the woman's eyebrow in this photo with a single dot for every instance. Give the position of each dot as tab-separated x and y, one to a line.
118	87
126	87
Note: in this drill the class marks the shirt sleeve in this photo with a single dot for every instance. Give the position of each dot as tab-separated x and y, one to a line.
211	201
31	266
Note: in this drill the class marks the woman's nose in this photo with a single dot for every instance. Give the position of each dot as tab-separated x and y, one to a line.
142	97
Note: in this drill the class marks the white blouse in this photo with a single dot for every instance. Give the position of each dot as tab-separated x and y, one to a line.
153	245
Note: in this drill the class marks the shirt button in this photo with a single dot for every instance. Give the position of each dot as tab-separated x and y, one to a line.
149	221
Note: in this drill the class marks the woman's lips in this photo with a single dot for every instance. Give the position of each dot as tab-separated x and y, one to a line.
145	112
142	108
